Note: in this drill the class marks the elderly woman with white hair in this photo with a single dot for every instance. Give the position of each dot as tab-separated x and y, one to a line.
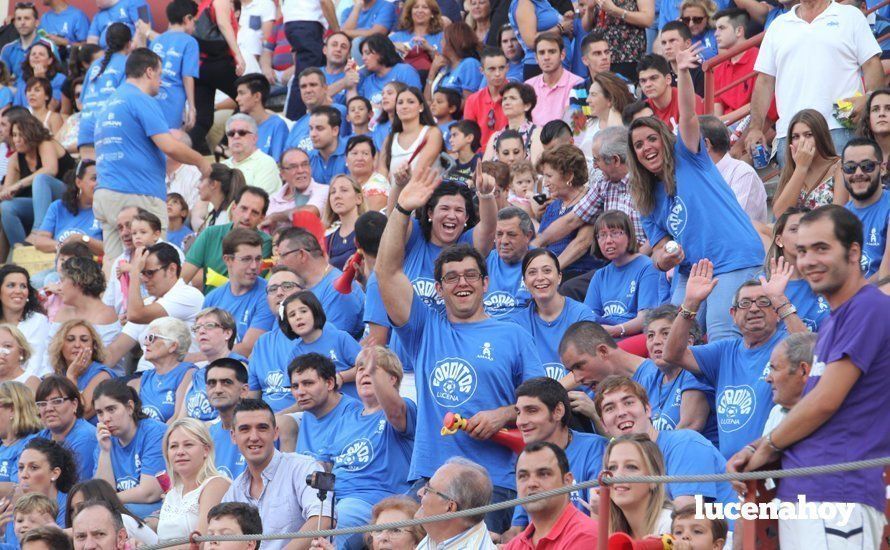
259	169
196	485
163	388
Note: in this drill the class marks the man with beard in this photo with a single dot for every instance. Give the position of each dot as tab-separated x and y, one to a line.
861	164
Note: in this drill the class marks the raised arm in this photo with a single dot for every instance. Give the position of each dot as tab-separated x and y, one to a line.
483	234
699	286
393	405
780	273
689	128
395	288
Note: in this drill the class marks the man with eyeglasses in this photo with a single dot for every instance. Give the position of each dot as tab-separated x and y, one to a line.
484	107
226	381
861	164
259	169
206	252
465	361
736	367
157	268
299	192
244	294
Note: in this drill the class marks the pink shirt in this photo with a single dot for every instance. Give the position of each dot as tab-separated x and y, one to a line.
573	530
552	101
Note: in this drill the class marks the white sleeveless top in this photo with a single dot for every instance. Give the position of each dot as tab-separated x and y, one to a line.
400	155
179	513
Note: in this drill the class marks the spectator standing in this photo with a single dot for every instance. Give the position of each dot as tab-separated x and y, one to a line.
814	55
255	22
101	80
26	20
484	107
623	25
731	26
178	51
304	25
64	25
126	12
554	85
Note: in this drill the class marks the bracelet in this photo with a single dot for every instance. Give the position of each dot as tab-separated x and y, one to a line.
788	313
769	442
780	306
402	210
687	313
751	448
561	29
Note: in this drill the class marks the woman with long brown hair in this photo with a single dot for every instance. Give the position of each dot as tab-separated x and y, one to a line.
638	509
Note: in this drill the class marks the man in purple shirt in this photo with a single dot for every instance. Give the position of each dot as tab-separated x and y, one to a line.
842	415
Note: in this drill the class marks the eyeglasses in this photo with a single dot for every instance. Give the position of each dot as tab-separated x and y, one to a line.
286	286
151	337
302	165
762	302
289	252
471	276
393	532
427	489
491	120
55	402
247	260
697	20
616	234
206	326
239	133
867	166
149	273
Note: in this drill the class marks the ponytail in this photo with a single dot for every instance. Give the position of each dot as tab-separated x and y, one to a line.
231	182
117	37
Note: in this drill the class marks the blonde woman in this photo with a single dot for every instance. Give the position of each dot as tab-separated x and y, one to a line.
344	205
15	351
196	486
638	509
698	15
77	353
19	423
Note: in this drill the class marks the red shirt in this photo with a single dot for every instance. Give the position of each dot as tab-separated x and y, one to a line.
727	73
670	115
477	108
572	531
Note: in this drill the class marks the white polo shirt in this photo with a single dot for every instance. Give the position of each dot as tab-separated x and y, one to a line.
817	63
303	10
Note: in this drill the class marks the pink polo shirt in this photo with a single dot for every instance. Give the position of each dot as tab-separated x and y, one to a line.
552	101
572	531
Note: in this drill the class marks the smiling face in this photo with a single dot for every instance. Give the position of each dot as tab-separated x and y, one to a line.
625	459
58	418
862	185
295	170
408	107
449	219
821	257
597	101
624	413
14	293
463	298
556	182
255	433
185	453
755	320
535	421
542	278
649	148
244	265
421	12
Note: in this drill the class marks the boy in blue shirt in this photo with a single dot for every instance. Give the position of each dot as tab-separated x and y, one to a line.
251	96
127	12
179	54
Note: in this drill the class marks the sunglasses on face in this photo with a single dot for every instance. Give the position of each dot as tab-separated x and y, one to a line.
696	20
239	133
867	166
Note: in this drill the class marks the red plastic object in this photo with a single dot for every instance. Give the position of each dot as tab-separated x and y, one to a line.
343	283
311	223
511	439
635	345
622	541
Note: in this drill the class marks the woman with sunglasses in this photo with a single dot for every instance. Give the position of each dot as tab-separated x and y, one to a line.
19	423
77	352
61	408
698	16
162	389
214	332
130	454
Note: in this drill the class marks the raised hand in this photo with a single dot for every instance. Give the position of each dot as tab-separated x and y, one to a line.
485	183
803	153
419	189
780	272
137	261
690	58
700	284
103	435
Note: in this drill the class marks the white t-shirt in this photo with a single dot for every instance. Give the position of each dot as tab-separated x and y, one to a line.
817	63
36	330
303	10
250	25
185	181
182	302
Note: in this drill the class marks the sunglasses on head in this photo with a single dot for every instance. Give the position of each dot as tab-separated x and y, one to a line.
868	166
696	20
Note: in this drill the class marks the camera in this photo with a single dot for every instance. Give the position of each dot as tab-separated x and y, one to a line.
321	481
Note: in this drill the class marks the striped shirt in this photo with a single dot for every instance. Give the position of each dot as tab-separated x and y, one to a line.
606	195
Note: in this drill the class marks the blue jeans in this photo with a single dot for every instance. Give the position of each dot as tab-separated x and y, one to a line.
17	217
498	521
45	190
352	512
839	136
714	313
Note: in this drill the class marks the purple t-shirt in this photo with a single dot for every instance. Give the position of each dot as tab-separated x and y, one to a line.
858	330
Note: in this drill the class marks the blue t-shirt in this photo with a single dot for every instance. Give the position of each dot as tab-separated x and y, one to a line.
298	136
738	376
196	403
380	133
323	171
337	345
665	397
812	308
506	287
420	259
267	370
554	211
176	237
585	453
466	77
330	78
271	136
13	55
773	14
56	83
128	161
227	458
381	12
71	24
371	85
708	40
372	458
158	391
317	437
179	58
144	455
874	220
9	459
375	313
464	368
547	335
96	91
547	17
687	452
343	310
88	375
81	441
704	216
61	223
407	37
858	331
250	310
125	11
618	294
5	96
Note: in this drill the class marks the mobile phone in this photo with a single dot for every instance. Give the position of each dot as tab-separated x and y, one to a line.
143	13
540	198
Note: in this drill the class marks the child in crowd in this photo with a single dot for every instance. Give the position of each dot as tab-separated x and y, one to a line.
179	54
522	185
177	213
358	114
697	534
464	141
31	511
445	107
